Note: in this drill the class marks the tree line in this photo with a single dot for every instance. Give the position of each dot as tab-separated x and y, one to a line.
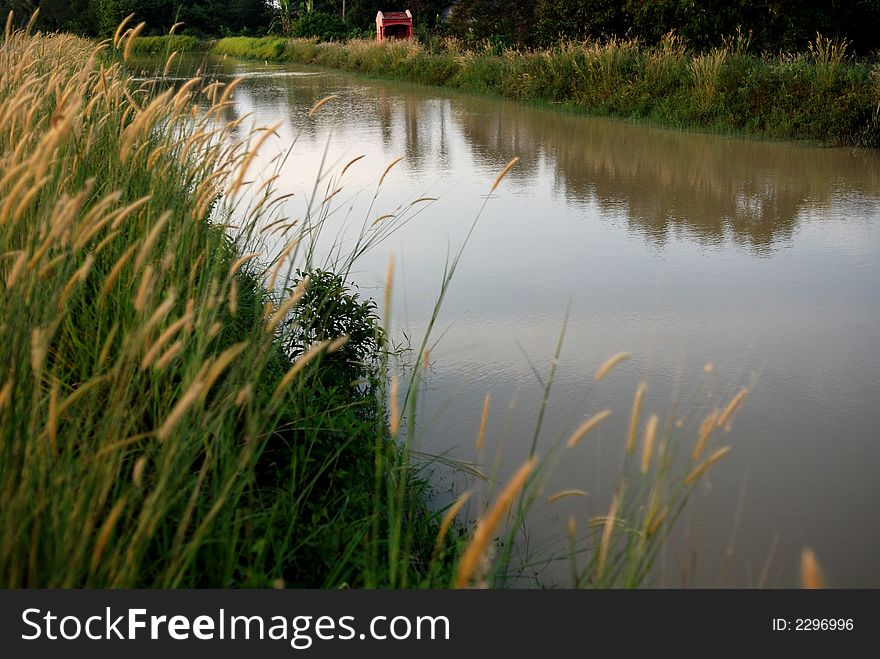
212	18
769	25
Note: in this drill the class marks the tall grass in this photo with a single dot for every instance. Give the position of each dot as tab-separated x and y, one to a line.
820	94
165	419
175	413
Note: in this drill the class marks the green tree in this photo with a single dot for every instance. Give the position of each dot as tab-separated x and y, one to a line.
578	19
505	22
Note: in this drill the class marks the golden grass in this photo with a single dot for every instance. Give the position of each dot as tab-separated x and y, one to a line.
732	406
562	494
811	572
706	428
484	418
321	103
607	533
584	429
504	173
487	524
648	442
701	468
449	518
635	417
606	366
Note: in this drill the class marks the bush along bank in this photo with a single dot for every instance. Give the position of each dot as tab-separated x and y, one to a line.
165	419
820	94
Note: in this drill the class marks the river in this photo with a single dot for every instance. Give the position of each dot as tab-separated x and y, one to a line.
716	262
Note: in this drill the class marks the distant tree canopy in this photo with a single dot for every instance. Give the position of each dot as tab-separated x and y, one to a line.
100	17
773	24
220	17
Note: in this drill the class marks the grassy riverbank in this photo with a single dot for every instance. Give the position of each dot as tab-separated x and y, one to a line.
165	420
819	94
176	413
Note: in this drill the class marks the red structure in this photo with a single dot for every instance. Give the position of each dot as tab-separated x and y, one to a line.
394	25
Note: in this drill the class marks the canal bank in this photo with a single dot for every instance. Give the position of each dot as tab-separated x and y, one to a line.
820	94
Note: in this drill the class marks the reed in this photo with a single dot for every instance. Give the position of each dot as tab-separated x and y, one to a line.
168	418
821	94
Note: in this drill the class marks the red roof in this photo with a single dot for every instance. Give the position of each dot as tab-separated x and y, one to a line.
395	16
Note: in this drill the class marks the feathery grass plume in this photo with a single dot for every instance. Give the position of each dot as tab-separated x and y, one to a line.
607	533
168	62
115	271
317	106
164	337
388	169
128	210
504	172
706	428
104	533
15	270
233	298
108	345
811	572
654	521
394	407
80	391
240	261
137	472
180	408
174	27
610	363
161	312
142	123
648	444
183	96
731	407
144	289
582	430
566	493
700	469
350	163
221	364
76	278
244	395
151	239
227	92
166	357
484	417
32	21
446	522
469	560
131	37
285	307
298	365
635	417
40	337
117	36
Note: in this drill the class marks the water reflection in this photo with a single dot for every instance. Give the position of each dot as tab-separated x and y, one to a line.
710	189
